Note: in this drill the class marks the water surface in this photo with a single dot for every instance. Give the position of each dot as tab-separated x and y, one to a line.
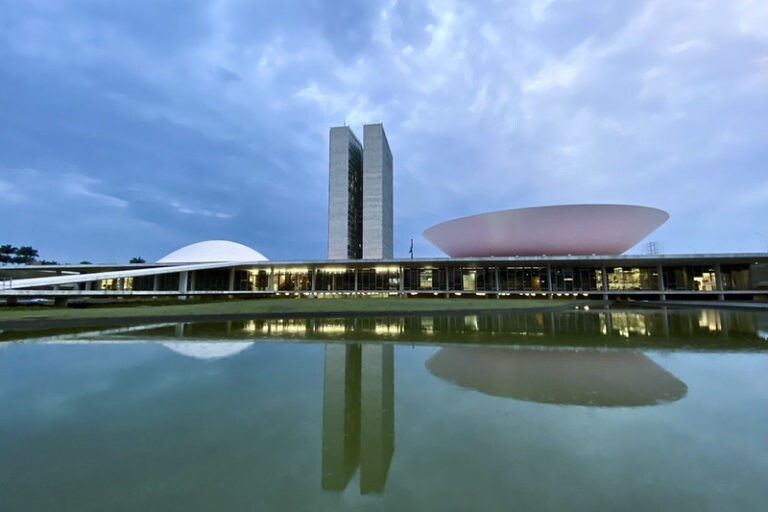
578	410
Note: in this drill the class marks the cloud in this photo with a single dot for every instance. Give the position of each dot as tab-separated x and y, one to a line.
205	121
539	9
80	186
180	208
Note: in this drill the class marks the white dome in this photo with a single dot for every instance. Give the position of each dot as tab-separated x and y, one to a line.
213	250
578	229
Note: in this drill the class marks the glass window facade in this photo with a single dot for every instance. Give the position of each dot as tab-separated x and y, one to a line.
455	277
629	278
382	279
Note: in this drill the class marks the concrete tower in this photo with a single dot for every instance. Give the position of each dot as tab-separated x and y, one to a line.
377	193
345	195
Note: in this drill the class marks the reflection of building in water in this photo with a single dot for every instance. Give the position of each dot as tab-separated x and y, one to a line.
341	415
566	377
710	319
377	416
624	323
642	329
203	350
358	415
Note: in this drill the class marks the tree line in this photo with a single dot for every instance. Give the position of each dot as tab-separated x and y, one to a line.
27	255
24	255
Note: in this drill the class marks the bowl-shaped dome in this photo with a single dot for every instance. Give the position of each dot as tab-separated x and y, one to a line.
579	229
213	251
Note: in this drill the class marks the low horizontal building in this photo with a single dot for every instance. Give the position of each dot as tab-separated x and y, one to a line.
654	277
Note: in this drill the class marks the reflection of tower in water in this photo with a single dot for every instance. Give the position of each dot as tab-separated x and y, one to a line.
358	415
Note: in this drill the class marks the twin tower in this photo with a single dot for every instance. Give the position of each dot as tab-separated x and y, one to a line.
360	195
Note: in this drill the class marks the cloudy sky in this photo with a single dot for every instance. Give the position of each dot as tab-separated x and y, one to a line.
131	128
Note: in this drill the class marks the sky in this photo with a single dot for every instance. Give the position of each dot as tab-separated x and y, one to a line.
132	128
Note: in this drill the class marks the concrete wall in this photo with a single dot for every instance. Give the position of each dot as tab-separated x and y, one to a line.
344	195
377	193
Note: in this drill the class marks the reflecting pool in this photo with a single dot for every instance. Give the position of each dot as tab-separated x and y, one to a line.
569	410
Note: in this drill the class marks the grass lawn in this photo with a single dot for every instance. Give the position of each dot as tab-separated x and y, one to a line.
274	306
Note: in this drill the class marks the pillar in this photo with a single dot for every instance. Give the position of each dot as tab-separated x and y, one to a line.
183	277
605	282
660	282
549	281
719	282
231	284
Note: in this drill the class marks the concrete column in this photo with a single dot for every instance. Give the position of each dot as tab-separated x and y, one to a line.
271	281
719	282
402	280
356	273
231	284
155	283
183	277
121	284
498	282
192	279
660	282
605	282
88	285
549	281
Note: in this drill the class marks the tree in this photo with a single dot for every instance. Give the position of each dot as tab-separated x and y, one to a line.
47	262
85	262
137	260
25	255
7	253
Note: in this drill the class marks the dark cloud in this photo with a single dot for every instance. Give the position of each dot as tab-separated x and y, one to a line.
133	128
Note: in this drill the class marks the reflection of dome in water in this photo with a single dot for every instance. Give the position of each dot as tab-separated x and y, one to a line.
567	377
208	350
213	250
